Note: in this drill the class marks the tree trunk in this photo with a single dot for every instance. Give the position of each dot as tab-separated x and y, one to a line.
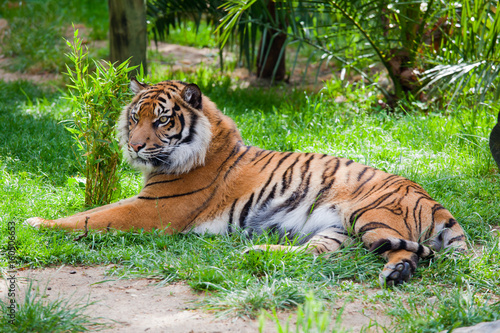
495	142
271	54
128	32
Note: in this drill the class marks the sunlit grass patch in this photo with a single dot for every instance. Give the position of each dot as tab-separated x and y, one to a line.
312	316
444	310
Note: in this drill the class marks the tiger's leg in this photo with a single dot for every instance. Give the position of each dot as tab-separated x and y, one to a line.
448	233
37	221
402	255
326	241
122	215
401	264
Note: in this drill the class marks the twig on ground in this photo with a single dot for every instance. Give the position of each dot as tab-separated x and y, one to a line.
85	232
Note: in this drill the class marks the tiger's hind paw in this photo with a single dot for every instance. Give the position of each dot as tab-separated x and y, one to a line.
255	248
394	274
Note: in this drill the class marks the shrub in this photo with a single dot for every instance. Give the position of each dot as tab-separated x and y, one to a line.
98	99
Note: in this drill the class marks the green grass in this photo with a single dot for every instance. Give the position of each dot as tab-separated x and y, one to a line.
451	309
447	153
34	313
312	316
187	34
36	31
445	150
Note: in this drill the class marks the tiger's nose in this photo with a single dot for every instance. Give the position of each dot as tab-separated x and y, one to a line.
136	146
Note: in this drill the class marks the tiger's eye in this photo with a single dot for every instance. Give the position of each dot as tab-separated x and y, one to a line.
135	116
163	119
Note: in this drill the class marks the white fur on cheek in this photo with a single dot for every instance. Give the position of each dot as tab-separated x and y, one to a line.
182	159
185	157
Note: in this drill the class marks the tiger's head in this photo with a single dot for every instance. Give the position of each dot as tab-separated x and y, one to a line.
164	129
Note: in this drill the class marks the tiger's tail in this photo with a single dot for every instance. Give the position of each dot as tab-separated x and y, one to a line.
392	243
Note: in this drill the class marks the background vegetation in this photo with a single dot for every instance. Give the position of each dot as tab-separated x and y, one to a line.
440	143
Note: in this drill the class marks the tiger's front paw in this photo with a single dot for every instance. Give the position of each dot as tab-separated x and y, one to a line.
394	274
36	222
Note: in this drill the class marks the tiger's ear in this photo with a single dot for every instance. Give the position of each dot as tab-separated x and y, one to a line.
192	94
137	86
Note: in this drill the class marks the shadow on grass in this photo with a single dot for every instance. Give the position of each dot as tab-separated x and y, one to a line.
31	140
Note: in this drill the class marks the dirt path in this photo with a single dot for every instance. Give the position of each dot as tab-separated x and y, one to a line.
140	305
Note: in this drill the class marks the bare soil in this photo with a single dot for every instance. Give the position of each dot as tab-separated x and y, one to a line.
143	305
187	59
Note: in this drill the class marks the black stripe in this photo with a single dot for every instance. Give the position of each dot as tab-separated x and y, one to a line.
272	174
305	167
376	225
175	195
320	198
195	213
450	223
334	171
233	152
320	248
417	217
362	173
409	226
245	211
349	162
171	84
395	211
286	179
192	128
331	238
431	230
182	121
381	246
263	157
296	197
237	161
366	180
181	82
375	204
268	161
455	239
231	212
270	196
391	181
162	182
420	250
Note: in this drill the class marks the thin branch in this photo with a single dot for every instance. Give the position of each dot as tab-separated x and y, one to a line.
86	230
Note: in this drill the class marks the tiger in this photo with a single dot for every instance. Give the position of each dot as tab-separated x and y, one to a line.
200	177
